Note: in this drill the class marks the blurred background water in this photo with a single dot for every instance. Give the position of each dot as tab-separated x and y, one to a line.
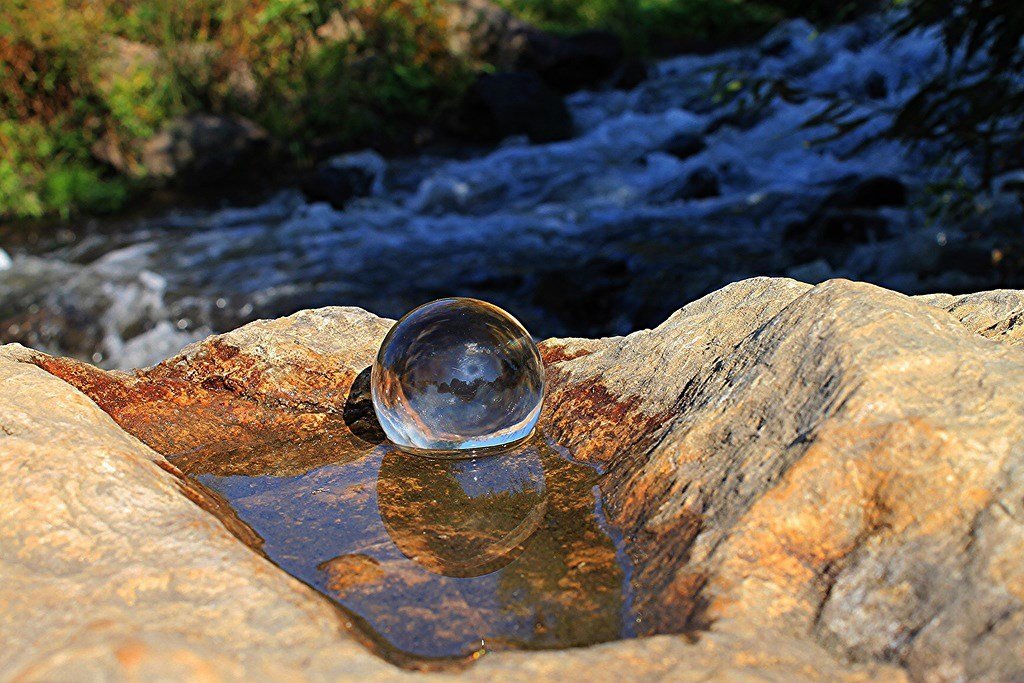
787	155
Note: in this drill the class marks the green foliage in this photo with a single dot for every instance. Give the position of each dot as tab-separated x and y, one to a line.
382	68
78	187
40	173
26	147
653	26
77	75
974	104
137	101
17	192
649	26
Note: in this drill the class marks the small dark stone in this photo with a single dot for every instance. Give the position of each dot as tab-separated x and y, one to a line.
775	45
1010	183
700	184
839	227
632	73
849	216
851	227
338	182
503	104
685	145
581	61
875	86
738	118
358	412
872	192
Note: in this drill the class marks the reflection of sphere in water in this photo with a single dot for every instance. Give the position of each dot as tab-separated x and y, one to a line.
457	374
462	517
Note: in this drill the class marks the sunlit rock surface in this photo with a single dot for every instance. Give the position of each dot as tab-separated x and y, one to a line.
811	483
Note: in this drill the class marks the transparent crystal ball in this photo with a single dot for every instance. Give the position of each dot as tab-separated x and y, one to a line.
457	374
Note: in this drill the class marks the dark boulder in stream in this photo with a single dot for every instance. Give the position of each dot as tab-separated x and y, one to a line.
201	149
580	61
519	103
341	179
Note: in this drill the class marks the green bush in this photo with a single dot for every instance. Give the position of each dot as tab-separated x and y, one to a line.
42	173
974	104
77	76
78	73
77	187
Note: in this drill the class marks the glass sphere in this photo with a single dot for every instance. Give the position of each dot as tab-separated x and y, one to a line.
456	375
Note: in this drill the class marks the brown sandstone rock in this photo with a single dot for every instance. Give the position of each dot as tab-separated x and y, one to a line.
840	461
997	315
108	571
288	379
830	480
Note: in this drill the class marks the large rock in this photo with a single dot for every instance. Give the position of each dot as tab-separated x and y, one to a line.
852	214
579	61
111	564
827	480
199	149
839	461
343	178
486	32
520	103
196	149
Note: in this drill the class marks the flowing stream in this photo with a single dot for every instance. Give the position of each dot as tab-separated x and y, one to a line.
666	192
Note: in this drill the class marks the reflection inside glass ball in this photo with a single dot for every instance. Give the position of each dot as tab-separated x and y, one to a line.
457	374
463	518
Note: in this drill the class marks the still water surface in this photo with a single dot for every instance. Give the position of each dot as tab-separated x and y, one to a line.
441	558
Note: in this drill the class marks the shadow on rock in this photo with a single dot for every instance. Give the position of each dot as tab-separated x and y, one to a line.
358	412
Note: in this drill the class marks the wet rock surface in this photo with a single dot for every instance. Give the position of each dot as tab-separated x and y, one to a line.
805	483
